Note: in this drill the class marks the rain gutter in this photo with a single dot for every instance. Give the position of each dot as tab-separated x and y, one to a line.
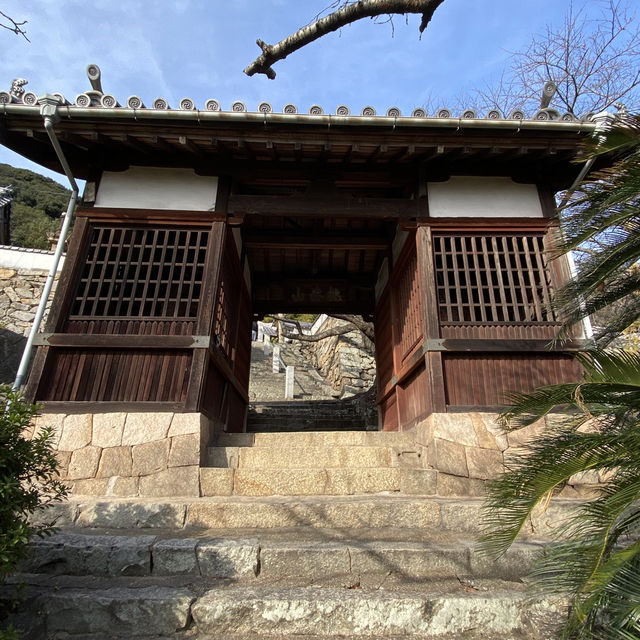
69	112
49	111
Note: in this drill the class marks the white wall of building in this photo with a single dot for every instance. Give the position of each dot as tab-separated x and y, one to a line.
22	258
483	197
157	188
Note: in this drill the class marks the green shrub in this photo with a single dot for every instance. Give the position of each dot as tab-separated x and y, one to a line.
28	480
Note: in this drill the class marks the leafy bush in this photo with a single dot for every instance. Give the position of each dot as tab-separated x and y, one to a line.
28	480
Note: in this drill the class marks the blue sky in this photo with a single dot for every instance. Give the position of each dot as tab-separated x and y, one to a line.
198	48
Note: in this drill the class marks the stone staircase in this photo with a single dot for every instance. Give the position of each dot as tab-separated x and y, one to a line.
322	535
309	415
317	463
314	406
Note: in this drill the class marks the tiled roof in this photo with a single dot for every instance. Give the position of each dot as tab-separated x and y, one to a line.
96	98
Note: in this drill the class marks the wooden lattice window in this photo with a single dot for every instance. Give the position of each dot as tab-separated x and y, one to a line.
492	279
141	272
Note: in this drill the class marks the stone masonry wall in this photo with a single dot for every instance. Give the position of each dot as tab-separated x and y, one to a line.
467	449
20	292
129	454
346	362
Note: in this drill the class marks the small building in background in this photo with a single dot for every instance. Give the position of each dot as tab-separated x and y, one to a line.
6	197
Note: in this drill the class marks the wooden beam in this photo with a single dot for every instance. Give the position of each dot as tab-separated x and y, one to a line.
149	216
55	406
115	341
509	345
340	207
262	240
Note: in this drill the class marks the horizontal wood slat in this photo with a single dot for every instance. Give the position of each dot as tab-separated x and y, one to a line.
122	341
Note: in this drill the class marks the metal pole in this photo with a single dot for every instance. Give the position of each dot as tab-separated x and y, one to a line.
49	111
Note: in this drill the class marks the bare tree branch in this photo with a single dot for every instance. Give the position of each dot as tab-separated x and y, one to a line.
7	22
352	323
594	62
347	13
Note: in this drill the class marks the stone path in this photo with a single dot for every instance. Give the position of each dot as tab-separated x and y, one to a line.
264	385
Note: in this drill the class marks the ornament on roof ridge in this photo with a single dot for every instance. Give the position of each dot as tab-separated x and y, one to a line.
469	114
548	91
187	104
315	110
622	110
17	91
444	113
135	102
368	111
394	112
29	98
342	110
494	114
239	107
93	97
290	108
108	101
419	113
265	107
546	114
161	104
212	105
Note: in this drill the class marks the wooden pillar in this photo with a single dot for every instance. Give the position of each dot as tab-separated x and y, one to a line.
206	313
431	321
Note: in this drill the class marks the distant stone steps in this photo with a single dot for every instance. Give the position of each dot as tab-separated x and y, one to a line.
307	415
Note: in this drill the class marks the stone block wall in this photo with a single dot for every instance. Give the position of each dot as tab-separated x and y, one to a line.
346	362
129	454
467	449
20	292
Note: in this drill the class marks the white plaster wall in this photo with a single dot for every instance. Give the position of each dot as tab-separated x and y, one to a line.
19	258
157	188
483	197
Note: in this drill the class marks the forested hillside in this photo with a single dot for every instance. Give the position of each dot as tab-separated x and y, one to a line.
37	205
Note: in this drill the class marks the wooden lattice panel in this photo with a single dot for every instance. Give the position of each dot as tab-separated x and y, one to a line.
492	278
141	273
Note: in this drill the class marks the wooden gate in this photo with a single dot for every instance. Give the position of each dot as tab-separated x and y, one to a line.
465	319
151	313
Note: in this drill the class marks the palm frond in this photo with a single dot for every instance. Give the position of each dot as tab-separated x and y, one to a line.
598	562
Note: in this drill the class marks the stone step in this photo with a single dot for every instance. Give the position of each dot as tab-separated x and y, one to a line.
233	481
135	608
331	439
310	457
278	424
277	558
430	516
453	613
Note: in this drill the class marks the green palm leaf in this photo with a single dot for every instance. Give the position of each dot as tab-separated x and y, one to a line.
598	562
